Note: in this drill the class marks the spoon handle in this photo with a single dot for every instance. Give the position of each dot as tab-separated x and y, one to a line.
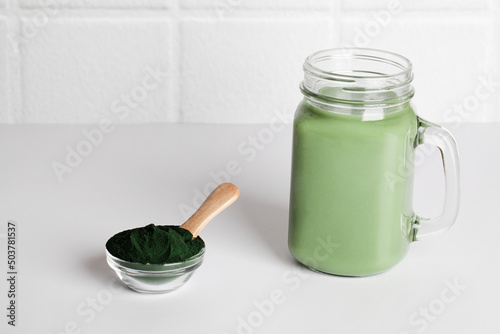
222	197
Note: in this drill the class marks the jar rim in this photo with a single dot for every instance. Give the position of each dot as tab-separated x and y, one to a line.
405	65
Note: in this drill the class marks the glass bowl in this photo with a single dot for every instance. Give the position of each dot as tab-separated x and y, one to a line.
155	278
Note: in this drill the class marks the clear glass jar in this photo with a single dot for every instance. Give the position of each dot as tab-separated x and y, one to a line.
354	141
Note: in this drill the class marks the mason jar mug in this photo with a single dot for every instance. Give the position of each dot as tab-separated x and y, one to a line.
354	139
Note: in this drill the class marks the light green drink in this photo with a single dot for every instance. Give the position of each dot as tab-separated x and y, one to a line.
354	143
351	187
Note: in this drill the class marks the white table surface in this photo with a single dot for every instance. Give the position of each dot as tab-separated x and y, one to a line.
143	173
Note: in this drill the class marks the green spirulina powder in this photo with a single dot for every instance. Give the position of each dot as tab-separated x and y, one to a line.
155	244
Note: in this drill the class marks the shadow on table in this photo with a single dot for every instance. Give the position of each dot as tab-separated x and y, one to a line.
270	222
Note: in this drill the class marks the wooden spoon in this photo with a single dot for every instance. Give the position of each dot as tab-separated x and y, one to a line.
222	197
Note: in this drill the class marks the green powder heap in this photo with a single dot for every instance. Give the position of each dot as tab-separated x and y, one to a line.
154	244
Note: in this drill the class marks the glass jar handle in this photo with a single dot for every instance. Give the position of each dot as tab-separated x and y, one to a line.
429	133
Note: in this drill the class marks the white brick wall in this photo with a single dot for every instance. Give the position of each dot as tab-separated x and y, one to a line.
230	61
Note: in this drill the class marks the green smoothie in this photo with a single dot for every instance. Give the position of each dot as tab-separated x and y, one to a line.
351	192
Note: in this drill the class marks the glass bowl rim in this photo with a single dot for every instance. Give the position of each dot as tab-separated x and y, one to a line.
155	268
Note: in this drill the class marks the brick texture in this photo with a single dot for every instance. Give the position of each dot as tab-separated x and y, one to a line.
81	70
236	71
122	4
230	61
449	59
